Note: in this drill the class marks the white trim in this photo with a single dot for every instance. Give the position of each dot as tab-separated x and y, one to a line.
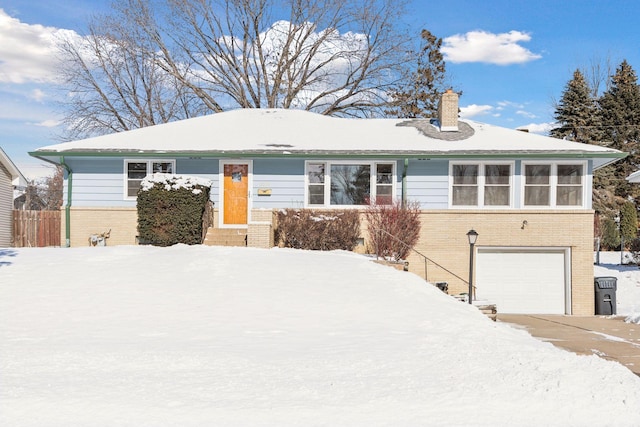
149	162
481	183
327	180
222	163
553	183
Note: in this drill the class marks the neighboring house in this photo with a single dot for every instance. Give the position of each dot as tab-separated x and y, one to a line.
11	180
528	196
29	202
634	177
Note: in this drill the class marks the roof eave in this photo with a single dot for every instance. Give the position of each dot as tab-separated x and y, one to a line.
613	156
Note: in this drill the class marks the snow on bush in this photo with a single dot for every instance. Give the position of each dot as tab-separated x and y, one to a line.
175	182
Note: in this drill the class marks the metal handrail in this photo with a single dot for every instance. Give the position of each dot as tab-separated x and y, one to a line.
426	258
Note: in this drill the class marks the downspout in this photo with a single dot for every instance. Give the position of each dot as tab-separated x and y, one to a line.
67	207
404	183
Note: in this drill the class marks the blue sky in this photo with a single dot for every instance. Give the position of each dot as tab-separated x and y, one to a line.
510	58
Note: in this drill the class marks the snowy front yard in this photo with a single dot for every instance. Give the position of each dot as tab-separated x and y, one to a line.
204	336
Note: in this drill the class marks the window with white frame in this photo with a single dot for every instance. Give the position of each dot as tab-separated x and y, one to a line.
554	184
481	184
349	183
137	170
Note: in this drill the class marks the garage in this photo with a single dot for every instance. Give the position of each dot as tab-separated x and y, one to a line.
525	280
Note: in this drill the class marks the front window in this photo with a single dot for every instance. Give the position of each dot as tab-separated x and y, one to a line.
552	185
465	185
349	183
569	192
137	170
481	184
537	185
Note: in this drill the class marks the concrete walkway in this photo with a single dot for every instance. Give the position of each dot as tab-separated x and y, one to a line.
608	337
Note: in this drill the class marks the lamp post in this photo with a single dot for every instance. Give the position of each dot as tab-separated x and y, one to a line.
472	235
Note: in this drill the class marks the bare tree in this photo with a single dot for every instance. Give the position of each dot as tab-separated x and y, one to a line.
51	191
154	61
43	194
597	73
114	82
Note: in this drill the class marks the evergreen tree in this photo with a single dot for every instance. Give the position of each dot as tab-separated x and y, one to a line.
610	238
628	222
419	95
620	116
576	111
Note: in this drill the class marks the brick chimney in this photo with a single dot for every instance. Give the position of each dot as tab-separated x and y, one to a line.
448	111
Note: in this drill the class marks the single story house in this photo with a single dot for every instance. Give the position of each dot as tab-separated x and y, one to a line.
11	180
527	196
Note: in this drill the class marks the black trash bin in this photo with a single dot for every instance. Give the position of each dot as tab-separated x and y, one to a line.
605	288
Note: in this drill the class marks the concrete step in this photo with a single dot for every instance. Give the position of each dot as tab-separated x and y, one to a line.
226	237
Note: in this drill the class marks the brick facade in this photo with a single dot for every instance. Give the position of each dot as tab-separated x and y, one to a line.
85	221
443	240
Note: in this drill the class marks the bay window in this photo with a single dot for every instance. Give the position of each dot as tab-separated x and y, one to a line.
349	183
137	170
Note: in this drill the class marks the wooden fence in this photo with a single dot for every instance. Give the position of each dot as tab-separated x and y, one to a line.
36	228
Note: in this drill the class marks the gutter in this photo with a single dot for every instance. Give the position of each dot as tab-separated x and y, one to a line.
614	155
67	207
404	182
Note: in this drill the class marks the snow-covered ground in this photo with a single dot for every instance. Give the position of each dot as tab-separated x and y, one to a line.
628	292
208	336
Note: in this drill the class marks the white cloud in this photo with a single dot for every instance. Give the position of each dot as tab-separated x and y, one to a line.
37	95
482	46
539	128
48	123
526	114
509	104
27	52
474	110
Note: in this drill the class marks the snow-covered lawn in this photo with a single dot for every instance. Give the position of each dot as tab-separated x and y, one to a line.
628	292
208	336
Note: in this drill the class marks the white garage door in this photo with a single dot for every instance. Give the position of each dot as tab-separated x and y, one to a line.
524	281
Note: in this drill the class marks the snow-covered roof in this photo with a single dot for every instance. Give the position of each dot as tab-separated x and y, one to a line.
634	177
280	132
18	180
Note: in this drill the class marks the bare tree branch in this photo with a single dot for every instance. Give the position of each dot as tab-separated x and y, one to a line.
154	61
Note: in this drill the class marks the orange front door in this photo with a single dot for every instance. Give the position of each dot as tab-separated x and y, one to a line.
236	194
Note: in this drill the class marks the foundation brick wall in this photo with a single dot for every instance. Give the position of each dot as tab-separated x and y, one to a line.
443	238
123	223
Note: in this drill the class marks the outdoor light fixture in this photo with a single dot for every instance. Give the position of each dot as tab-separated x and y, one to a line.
473	237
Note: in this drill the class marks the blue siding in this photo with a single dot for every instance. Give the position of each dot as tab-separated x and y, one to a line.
101	181
97	182
428	183
285	179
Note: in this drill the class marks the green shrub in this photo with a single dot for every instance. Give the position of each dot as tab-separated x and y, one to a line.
170	209
628	222
610	239
318	230
393	229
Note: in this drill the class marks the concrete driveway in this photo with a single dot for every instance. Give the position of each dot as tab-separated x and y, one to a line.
608	337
